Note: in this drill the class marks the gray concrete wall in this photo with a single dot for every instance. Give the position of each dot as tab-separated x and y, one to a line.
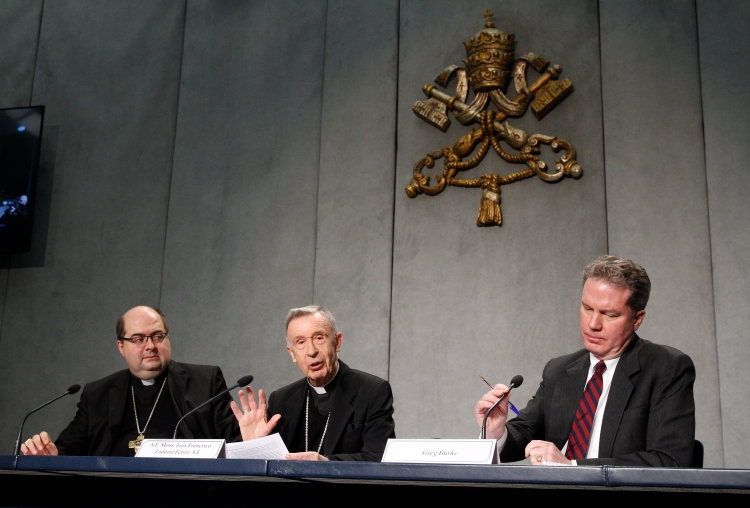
724	45
230	160
657	205
356	180
498	301
240	245
108	74
19	29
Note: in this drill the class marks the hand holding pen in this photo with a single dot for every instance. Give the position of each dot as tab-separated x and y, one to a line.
510	404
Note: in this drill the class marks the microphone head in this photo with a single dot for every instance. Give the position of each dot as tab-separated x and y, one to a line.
74	389
245	380
516	381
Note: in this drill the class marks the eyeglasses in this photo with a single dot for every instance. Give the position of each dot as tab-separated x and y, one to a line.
141	340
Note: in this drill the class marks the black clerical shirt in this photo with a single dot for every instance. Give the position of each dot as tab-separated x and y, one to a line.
320	406
162	424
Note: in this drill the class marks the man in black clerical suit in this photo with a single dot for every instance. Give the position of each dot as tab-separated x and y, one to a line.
146	400
334	412
621	400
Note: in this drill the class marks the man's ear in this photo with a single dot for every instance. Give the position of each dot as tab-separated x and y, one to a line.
120	347
291	353
638	319
339	337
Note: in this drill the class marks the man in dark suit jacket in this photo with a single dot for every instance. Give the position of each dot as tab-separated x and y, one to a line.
144	401
645	415
334	412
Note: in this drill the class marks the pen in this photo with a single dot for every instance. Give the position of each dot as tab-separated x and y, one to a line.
510	404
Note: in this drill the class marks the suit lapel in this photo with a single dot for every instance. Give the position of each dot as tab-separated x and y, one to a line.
118	397
177	379
619	395
567	395
341	409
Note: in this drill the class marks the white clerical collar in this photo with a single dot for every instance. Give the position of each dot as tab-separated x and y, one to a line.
320	390
148	382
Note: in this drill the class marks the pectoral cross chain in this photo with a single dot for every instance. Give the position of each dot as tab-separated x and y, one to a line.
136	443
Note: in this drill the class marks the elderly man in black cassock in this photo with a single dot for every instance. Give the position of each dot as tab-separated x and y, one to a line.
334	412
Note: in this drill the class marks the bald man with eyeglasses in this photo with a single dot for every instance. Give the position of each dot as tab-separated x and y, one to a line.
144	401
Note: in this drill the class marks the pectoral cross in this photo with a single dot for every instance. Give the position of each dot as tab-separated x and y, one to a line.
136	443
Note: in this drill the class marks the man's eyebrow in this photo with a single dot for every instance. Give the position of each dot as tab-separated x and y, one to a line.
602	311
605	311
300	336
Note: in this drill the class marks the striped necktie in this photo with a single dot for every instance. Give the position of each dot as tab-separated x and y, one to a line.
580	431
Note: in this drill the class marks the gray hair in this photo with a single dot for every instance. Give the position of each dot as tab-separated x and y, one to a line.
622	273
309	311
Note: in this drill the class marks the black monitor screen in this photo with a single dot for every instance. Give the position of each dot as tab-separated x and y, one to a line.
20	141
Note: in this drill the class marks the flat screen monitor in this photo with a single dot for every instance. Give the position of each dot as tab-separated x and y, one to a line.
20	143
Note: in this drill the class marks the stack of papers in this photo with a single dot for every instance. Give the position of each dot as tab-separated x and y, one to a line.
268	448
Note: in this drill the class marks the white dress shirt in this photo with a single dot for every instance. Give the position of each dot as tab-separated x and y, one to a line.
596	428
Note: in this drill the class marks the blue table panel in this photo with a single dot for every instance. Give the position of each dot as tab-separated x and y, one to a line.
600	476
143	465
679	478
7	461
439	472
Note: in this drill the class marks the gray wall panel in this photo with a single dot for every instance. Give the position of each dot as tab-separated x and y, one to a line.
724	52
108	74
357	170
656	182
491	301
241	235
19	32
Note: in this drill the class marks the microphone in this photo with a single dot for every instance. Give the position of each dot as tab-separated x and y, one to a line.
515	382
243	381
70	391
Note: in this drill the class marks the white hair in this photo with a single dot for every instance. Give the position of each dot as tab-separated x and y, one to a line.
309	311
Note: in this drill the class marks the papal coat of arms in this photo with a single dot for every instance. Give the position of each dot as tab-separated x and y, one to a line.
489	59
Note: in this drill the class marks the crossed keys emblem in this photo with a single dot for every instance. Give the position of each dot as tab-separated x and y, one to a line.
489	57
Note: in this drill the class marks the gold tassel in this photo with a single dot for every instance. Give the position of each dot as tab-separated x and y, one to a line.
489	208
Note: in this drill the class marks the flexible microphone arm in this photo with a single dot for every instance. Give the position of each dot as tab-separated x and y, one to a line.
515	382
70	391
243	381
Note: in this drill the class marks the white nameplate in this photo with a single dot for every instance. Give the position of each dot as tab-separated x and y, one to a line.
441	451
183	448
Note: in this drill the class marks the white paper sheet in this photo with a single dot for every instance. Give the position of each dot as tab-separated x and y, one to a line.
268	448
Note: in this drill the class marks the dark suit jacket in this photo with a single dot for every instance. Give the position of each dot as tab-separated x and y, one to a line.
649	419
361	415
102	407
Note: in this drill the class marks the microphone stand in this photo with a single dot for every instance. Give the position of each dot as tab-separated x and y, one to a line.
487	414
244	381
73	389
